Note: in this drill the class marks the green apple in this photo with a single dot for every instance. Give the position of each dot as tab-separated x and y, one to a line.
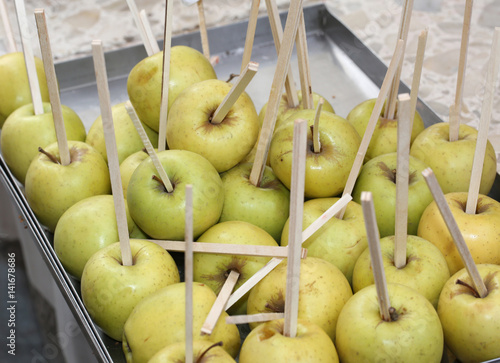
159	320
160	214
379	177
426	270
17	93
413	335
323	292
128	166
339	241
452	161
472	324
52	188
267	344
385	137
24	132
204	351
187	66
266	206
110	290
480	230
327	170
128	140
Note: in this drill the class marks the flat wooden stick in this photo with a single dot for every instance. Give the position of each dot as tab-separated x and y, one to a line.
111	151
252	25
484	124
235	92
167	45
417	74
254	318
29	58
304	68
282	67
454	120
220	303
50	73
295	227
402	180
315	130
376	255
149	147
188	273
148	43
149	32
448	218
7	26
203	30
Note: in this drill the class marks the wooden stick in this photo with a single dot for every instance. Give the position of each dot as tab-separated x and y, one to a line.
220	303
188	273
417	74
167	45
315	133
203	30
282	67
111	151
402	180
55	100
304	68
451	223
252	25
277	31
454	120
148	43
9	34
254	318
295	228
235	92
149	147
29	58
376	255
149	32
484	125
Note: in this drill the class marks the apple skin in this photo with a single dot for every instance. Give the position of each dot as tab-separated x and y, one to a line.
267	344
362	335
128	140
13	73
110	290
160	214
323	292
326	171
266	206
426	270
128	166
480	230
189	124
53	188
159	320
339	242
472	325
378	177
176	353
385	137
24	132
187	66
451	162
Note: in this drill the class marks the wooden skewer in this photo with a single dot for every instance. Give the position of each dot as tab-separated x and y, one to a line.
315	136
417	74
402	180
149	32
149	147
253	318
295	228
235	92
252	25
220	303
29	58
111	151
9	35
484	125
148	43
188	273
282	67
203	30
50	73
376	255
448	218
304	68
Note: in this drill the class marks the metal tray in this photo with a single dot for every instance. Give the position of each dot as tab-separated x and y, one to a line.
343	70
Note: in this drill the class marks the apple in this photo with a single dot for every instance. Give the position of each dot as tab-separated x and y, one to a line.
385	136
204	351
452	161
266	343
480	230
110	290
13	73
159	320
52	188
128	166
187	66
128	140
472	324
339	241
24	132
161	214
379	177
414	333
327	170
266	206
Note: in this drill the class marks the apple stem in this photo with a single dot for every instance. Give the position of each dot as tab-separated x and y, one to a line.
218	344
315	128
394	316
249	39
145	150
304	68
472	289
154	177
231	77
49	155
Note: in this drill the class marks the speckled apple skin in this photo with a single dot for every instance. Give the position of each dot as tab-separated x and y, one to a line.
176	352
